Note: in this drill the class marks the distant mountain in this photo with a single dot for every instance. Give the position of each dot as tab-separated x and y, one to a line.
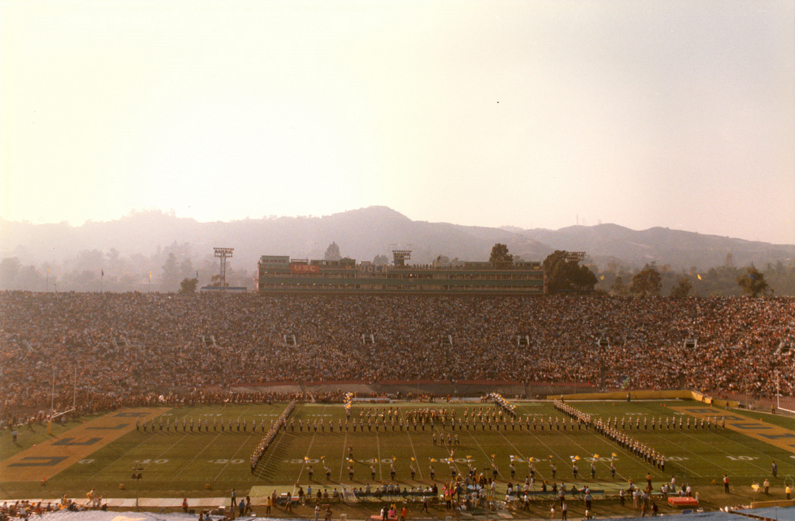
677	248
362	234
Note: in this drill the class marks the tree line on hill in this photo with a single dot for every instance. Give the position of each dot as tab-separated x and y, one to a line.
95	270
175	269
564	273
727	280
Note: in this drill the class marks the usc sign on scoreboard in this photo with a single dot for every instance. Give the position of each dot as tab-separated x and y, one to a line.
298	269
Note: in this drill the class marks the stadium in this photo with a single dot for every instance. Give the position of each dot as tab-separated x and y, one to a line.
278	274
327	395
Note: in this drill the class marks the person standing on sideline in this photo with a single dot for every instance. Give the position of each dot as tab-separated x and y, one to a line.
726	483
425	505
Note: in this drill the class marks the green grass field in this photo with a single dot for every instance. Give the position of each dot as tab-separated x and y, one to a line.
177	464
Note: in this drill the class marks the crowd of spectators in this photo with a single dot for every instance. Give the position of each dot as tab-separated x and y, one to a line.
25	509
136	348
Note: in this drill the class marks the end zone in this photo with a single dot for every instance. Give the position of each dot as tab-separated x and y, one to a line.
57	454
760	430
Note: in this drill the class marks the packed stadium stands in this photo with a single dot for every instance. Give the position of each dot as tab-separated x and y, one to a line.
133	348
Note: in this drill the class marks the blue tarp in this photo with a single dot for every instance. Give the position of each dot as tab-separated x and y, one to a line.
779	513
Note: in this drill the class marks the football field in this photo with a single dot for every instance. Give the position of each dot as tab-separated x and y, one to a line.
205	451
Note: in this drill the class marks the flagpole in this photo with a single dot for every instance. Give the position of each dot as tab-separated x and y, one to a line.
74	393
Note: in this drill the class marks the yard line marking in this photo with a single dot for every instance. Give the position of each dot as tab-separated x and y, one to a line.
417	461
238	449
488	456
117	459
519	452
685	449
311	442
550	450
378	447
147	438
161	455
344	458
725	452
766	455
209	444
443	445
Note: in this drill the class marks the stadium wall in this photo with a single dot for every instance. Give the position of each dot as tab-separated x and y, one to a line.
650	395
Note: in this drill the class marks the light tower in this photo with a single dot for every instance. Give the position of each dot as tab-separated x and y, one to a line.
400	255
223	254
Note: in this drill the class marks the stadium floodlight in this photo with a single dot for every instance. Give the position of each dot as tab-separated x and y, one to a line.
575	256
223	254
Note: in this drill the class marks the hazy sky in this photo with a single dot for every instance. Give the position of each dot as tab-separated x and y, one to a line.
529	113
